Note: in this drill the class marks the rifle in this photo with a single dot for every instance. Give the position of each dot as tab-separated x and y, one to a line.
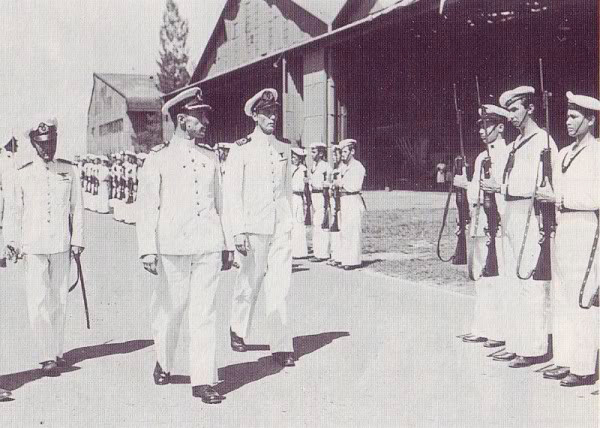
489	203
335	226
460	253
325	223
308	201
543	268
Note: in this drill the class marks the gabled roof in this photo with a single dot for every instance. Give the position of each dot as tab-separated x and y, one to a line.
139	90
325	10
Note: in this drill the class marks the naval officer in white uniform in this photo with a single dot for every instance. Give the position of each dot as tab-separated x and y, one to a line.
259	218
180	237
45	227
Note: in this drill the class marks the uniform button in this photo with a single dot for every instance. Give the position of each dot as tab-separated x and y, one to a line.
192	160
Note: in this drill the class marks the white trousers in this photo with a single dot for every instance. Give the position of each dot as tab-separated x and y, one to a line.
320	236
351	213
47	289
527	329
187	282
269	262
334	239
490	315
119	209
129	213
574	330
299	245
102	206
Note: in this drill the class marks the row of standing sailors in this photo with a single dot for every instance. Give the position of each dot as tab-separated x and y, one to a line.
111	184
336	208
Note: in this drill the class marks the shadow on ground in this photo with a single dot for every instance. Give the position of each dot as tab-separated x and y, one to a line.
236	376
16	380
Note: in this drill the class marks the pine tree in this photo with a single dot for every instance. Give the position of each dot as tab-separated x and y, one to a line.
173	73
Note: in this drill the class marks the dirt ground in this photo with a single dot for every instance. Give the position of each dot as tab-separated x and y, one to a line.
400	232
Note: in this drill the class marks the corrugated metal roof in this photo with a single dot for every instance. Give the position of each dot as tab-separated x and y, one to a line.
139	90
325	10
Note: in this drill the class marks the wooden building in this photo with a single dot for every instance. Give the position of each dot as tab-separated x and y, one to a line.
382	71
121	107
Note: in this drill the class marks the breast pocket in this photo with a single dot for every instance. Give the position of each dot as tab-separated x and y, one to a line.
61	189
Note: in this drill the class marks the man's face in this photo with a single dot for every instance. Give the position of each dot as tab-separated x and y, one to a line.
577	123
347	154
295	159
46	149
518	112
315	154
195	124
266	118
336	155
492	132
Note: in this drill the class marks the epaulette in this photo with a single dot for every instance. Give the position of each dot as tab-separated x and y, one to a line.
25	164
159	147
66	161
243	141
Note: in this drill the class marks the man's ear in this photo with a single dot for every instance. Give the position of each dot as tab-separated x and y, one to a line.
592	120
500	127
531	109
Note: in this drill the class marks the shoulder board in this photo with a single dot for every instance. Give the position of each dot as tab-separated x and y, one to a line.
65	161
159	147
243	141
24	165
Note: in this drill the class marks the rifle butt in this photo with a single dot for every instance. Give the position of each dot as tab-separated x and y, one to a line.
543	268
460	254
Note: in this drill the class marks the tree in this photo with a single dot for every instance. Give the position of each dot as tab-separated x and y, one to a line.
173	72
150	132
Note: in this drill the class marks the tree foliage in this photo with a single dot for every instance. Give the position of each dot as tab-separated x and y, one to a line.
174	30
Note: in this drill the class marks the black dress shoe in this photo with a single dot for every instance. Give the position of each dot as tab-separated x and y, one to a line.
350	267
284	359
161	377
207	394
474	339
505	357
493	343
237	343
520	362
4	394
576	380
50	369
556	373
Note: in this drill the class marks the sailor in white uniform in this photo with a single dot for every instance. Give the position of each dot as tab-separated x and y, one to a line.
576	184
299	244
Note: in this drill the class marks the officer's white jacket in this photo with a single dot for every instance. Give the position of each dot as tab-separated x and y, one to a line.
352	176
578	188
46	215
498	155
179	200
318	174
522	178
255	187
